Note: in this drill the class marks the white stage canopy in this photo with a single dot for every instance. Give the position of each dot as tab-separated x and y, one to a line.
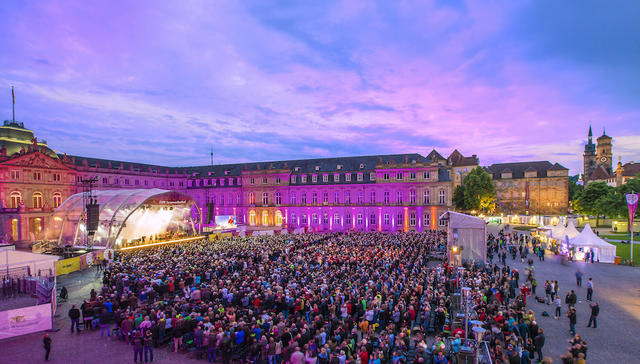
468	233
587	239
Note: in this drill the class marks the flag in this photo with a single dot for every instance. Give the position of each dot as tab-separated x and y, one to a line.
632	204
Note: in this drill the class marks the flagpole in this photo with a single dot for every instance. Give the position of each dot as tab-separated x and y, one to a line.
631	230
13	104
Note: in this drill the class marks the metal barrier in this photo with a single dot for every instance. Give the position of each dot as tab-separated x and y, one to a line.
468	351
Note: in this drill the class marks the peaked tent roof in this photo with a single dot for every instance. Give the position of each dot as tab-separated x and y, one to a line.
588	238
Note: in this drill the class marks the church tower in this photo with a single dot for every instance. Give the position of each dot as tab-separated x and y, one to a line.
589	157
604	153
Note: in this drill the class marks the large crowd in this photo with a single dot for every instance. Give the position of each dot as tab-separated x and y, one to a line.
367	298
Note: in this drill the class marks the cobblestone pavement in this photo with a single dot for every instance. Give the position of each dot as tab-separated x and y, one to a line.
616	288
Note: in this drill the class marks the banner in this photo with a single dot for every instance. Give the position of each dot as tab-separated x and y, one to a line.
67	266
25	320
632	204
526	199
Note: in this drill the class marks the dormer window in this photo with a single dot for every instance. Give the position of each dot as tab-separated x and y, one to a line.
339	167
297	169
317	168
361	166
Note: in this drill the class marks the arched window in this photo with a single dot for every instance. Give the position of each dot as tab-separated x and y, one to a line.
16	199
265	218
37	200
252	218
278	218
57	199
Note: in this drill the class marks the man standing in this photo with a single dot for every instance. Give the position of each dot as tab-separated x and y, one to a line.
590	289
47	346
539	342
572	320
579	278
74	315
595	310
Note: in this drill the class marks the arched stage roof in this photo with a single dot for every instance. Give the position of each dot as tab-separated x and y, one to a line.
115	208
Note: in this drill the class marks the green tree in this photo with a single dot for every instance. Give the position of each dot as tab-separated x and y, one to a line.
588	204
478	190
575	190
458	197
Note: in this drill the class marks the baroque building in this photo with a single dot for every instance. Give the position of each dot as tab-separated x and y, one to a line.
365	193
531	188
597	159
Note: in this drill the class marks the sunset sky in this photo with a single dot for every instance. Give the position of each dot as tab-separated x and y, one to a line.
164	81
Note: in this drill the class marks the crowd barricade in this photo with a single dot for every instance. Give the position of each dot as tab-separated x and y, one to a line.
84	261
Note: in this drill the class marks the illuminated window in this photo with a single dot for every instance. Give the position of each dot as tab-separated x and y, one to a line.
57	199
336	219
293	220
37	200
325	197
252	218
304	178
252	198
336	197
16	199
278	218
265	218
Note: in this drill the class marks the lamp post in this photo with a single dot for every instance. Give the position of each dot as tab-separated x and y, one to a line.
478	333
465	293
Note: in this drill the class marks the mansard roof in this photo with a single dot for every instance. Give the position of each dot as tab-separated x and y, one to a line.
631	169
518	169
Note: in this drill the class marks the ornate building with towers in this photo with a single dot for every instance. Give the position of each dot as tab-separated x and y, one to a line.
597	159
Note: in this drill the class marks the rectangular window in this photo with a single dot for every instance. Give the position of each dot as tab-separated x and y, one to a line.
400	220
442	222
314	219
325	198
304	198
359	221
372	219
278	198
314	178
336	197
412	219
252	181
293	179
36	176
360	177
373	197
347	198
265	198
360	197
336	219
412	197
336	177
304	219
325	219
325	178
277	180
15	174
426	221
347	177
304	178
442	197
105	180
386	219
293	198
372	176
426	175
347	219
386	197
293	219
385	176
314	198
264	181
399	197
412	175
426	197
399	176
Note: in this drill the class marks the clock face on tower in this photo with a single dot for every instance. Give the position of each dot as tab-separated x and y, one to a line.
603	159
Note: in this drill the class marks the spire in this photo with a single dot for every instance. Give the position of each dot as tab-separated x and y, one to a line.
603	131
590	132
13	104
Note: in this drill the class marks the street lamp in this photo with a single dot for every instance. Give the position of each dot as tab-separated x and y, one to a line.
466	291
478	333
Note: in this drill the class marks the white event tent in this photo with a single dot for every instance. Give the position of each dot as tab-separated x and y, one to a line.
587	239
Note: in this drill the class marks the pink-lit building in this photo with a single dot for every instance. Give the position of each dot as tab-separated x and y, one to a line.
366	193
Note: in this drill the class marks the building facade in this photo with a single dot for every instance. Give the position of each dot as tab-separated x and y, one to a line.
598	159
531	188
368	193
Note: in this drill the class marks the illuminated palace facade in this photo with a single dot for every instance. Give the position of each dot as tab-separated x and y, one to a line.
367	193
